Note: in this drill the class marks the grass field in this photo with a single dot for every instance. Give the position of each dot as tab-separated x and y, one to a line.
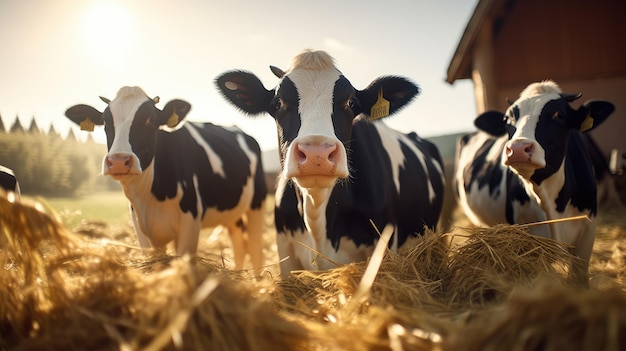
110	207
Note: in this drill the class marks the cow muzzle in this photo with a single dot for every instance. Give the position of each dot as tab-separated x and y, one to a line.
523	156
120	165
316	157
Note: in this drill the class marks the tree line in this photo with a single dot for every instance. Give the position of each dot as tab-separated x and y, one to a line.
46	164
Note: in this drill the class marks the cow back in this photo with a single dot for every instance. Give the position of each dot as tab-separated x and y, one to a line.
215	161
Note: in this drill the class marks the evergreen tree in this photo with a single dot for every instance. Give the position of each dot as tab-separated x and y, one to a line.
2	130
34	128
71	136
48	165
52	132
17	126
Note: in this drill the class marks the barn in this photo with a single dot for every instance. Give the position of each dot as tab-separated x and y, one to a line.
508	44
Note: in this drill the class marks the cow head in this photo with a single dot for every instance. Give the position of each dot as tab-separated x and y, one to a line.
131	121
538	124
314	106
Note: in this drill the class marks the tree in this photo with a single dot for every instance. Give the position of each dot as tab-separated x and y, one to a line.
17	126
34	128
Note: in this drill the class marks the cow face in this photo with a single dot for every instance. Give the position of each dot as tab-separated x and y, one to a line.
538	126
314	106
131	122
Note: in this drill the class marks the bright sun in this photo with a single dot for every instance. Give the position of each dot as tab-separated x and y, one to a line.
108	33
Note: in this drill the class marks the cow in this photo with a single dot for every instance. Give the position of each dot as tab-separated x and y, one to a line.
531	165
608	195
181	177
344	173
9	183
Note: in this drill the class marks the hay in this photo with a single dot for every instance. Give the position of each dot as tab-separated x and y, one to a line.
64	292
550	317
499	289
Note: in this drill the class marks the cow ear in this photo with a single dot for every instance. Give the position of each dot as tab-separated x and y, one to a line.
491	122
173	113
386	96
245	91
591	114
85	116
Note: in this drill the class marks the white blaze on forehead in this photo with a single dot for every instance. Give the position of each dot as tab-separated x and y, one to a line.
314	75
315	90
530	104
123	109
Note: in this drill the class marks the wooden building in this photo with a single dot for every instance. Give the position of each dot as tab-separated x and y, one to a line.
580	44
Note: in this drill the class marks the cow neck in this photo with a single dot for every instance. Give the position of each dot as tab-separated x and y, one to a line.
139	187
549	190
314	202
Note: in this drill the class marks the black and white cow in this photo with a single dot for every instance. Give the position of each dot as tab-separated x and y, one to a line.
341	171
181	180
531	164
8	182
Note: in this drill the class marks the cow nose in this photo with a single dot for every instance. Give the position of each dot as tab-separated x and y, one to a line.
519	152
317	159
119	164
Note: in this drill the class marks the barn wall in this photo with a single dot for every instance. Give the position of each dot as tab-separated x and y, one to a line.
577	43
565	39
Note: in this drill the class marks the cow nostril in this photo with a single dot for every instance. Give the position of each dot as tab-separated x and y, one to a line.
332	157
529	149
509	151
300	155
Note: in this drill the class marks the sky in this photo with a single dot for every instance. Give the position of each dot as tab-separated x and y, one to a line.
55	54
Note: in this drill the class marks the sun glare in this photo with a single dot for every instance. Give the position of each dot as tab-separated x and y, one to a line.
108	33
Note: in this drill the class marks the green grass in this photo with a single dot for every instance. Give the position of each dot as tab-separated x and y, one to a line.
110	207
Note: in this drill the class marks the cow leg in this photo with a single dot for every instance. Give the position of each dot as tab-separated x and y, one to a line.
144	242
287	254
188	233
239	247
254	242
583	249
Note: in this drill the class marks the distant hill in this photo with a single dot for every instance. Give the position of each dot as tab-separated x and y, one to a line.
446	144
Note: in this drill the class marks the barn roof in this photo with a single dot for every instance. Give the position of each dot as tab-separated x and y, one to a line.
459	67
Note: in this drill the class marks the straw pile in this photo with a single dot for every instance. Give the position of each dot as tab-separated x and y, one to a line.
500	289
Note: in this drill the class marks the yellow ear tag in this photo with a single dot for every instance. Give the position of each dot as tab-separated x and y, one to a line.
587	123
173	120
381	108
87	125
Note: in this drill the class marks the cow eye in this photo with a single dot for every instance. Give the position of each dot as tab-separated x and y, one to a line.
278	103
509	120
351	103
556	115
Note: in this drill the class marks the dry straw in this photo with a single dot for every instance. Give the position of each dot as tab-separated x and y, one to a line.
501	288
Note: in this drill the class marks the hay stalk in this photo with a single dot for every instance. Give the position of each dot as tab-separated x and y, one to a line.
371	271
